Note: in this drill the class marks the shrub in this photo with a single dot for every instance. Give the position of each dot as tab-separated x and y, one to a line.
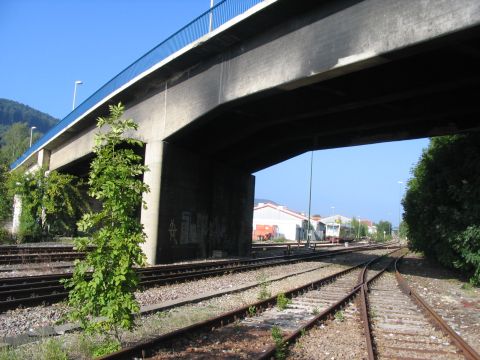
442	203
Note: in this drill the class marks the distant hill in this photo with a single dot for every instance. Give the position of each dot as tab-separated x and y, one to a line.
15	122
14	112
264	201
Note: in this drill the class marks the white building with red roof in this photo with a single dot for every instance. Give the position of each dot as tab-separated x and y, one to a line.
288	223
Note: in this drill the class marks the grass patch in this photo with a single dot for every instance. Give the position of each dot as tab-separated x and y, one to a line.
339	315
264	292
281	347
282	301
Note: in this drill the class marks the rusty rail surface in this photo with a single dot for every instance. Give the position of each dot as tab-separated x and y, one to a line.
436	319
363	300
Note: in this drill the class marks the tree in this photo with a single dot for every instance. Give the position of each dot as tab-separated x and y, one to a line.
403	230
384	230
6	203
51	203
359	229
14	142
5	199
63	204
114	180
442	203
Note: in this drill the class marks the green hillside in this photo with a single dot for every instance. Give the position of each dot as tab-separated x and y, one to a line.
14	112
15	122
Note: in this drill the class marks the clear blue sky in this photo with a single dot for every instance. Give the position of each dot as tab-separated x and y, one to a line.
48	44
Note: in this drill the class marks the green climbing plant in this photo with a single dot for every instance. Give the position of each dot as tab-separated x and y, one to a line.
51	203
103	300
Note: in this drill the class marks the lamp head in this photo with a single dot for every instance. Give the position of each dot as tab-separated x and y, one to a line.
79	82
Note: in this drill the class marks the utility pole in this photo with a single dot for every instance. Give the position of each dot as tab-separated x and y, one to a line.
210	19
310	201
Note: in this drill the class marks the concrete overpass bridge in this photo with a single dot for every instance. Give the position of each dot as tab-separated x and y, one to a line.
273	79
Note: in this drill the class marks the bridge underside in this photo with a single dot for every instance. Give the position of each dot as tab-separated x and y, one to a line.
423	91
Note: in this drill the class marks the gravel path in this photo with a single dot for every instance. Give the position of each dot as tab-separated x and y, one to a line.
456	301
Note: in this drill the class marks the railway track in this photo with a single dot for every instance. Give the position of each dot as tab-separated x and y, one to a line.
246	332
18	254
23	250
399	324
400	327
15	254
34	290
30	258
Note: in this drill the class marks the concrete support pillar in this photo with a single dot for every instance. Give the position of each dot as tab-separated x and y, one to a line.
17	210
150	217
43	159
206	207
196	207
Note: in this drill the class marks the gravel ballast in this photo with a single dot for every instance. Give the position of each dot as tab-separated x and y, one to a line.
18	321
453	298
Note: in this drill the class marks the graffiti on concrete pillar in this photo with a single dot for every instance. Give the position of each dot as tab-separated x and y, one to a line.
202	227
218	230
188	229
172	229
185	227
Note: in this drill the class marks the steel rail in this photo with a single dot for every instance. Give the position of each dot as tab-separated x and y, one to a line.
364	308
144	349
270	352
30	258
434	318
47	289
15	249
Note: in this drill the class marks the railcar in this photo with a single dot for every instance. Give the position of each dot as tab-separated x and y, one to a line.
336	233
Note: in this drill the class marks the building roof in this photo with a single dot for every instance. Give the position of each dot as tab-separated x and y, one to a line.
336	219
280	208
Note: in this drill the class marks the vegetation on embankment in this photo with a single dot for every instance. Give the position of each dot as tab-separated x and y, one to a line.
442	203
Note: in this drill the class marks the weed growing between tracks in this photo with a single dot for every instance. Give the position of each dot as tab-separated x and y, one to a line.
51	349
282	301
281	346
339	316
264	292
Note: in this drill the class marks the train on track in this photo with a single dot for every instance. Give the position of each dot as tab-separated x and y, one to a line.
336	233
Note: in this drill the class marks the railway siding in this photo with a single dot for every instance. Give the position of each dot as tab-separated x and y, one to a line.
399	327
161	298
456	301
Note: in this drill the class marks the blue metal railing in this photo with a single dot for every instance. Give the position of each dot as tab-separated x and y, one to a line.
202	25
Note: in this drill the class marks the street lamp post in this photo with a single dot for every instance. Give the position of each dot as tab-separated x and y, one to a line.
210	18
358	232
78	82
310	202
31	134
333	210
399	204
